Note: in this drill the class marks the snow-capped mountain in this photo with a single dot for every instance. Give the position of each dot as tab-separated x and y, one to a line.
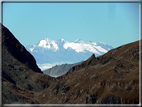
50	51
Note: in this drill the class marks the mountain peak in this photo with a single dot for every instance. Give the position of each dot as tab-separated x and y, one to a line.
61	40
48	44
93	56
62	50
77	40
112	78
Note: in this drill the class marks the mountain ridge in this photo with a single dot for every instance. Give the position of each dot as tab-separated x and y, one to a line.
59	70
64	51
18	50
112	78
47	42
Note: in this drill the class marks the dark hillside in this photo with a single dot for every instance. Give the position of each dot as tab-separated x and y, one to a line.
18	51
21	77
112	78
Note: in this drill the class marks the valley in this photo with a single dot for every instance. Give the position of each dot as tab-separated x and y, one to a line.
62	55
112	78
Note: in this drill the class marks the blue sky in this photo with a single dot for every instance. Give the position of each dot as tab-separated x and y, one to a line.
113	23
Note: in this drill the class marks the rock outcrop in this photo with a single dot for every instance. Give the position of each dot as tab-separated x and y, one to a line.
110	78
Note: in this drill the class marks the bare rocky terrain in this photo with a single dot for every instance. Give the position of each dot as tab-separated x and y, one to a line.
59	70
112	78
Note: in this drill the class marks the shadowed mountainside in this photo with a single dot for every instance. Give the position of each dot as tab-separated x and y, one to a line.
110	78
17	50
21	77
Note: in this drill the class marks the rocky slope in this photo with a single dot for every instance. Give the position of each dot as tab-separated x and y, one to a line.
59	70
110	78
12	45
21	77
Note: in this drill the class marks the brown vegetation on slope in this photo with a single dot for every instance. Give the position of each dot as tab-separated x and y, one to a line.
110	78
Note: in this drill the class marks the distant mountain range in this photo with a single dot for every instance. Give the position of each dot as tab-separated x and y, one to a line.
59	70
50	51
112	78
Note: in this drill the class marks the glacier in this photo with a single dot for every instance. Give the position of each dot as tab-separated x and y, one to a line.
56	51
